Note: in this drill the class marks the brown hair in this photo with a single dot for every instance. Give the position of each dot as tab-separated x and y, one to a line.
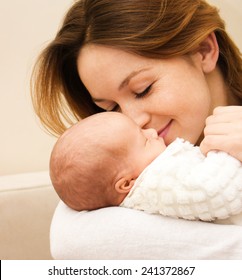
155	29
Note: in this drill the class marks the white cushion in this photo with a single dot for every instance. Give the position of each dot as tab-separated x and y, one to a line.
120	233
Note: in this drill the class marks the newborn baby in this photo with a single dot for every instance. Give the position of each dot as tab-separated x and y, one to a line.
107	160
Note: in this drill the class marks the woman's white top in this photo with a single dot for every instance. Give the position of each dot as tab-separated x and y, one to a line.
183	183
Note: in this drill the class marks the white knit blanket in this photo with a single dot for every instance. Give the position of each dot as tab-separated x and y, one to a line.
183	183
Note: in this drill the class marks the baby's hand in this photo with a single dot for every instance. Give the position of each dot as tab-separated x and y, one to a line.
223	131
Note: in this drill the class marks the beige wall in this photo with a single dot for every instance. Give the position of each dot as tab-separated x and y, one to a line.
25	26
231	12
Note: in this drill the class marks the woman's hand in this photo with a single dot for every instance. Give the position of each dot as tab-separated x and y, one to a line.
223	131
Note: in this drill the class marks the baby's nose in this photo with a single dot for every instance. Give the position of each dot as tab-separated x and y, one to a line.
150	133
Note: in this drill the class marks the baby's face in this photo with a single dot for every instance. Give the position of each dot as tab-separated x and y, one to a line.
147	145
144	145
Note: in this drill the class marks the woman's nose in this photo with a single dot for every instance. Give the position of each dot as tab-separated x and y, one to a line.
150	133
141	118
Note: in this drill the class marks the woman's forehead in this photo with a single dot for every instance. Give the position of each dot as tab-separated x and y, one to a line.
118	62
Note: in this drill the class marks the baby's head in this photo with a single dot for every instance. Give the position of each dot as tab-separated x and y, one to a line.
95	163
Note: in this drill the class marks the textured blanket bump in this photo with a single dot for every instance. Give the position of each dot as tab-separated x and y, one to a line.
183	183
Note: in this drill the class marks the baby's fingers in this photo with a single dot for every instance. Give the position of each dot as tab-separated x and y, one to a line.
221	142
225	114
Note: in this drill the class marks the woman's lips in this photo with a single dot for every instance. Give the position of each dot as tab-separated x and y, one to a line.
163	132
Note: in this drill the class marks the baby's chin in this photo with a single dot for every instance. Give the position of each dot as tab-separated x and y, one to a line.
163	144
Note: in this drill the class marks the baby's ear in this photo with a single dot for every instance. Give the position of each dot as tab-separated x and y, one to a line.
124	185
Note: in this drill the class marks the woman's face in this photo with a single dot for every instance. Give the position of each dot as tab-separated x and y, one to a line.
170	95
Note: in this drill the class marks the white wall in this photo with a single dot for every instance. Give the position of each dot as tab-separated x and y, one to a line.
25	27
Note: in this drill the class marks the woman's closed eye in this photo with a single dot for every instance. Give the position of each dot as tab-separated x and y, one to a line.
143	93
140	95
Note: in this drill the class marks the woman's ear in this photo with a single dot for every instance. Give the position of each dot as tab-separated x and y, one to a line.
209	51
124	185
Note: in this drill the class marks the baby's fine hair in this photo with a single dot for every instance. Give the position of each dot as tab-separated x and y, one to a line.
82	165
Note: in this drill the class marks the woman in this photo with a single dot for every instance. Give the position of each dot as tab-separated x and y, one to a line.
170	68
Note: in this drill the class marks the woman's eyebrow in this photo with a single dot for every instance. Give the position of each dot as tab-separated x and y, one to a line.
123	83
130	76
